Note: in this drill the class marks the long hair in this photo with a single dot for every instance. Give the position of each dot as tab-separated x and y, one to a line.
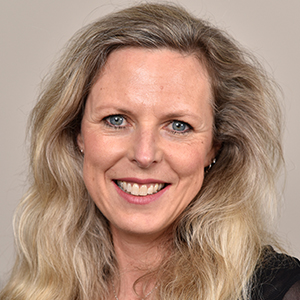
64	246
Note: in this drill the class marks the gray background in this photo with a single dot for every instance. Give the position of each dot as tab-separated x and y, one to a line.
34	31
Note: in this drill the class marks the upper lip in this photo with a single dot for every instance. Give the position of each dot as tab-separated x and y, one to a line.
140	181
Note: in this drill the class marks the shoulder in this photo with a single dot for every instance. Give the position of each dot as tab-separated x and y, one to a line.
277	277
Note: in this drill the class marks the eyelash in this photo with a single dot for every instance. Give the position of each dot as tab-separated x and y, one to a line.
109	124
189	127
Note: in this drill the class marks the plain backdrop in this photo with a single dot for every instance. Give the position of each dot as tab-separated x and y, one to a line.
34	31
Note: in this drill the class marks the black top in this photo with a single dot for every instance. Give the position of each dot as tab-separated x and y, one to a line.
277	277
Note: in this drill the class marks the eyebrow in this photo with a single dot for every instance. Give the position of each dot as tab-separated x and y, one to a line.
100	108
180	113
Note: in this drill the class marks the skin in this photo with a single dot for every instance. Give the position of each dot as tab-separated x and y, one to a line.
149	90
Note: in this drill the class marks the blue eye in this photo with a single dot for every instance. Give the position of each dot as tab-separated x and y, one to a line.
179	126
116	120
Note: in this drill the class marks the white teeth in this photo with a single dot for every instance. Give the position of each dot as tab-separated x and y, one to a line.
135	189
150	190
143	190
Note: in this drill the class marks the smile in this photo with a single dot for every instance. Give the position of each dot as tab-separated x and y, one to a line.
140	190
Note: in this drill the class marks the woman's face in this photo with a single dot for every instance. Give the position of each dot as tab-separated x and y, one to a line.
147	135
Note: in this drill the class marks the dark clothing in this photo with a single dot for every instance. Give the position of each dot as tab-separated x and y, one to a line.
277	277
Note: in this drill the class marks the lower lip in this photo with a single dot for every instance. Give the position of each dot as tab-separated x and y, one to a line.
140	200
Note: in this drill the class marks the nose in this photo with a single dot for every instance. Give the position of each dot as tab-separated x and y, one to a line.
145	149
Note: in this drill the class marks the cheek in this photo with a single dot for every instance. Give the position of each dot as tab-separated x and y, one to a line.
99	156
189	161
192	174
102	150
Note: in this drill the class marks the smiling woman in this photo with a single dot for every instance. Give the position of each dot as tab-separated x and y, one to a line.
127	136
155	147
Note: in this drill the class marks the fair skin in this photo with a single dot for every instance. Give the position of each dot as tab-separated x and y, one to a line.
147	136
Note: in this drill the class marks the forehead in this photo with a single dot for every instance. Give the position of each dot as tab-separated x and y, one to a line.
136	55
153	68
149	83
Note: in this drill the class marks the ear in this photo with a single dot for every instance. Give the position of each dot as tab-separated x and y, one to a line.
80	142
213	153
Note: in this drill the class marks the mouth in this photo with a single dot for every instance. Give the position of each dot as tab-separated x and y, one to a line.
137	189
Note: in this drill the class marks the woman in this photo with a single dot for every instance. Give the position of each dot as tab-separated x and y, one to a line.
155	146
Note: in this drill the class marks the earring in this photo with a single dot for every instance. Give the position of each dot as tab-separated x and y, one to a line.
81	151
207	169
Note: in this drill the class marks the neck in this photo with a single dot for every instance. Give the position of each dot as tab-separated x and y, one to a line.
137	256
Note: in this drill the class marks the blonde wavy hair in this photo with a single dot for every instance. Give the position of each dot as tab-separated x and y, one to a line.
64	246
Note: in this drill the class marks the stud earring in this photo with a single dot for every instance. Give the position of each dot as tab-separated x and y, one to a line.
81	151
207	169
